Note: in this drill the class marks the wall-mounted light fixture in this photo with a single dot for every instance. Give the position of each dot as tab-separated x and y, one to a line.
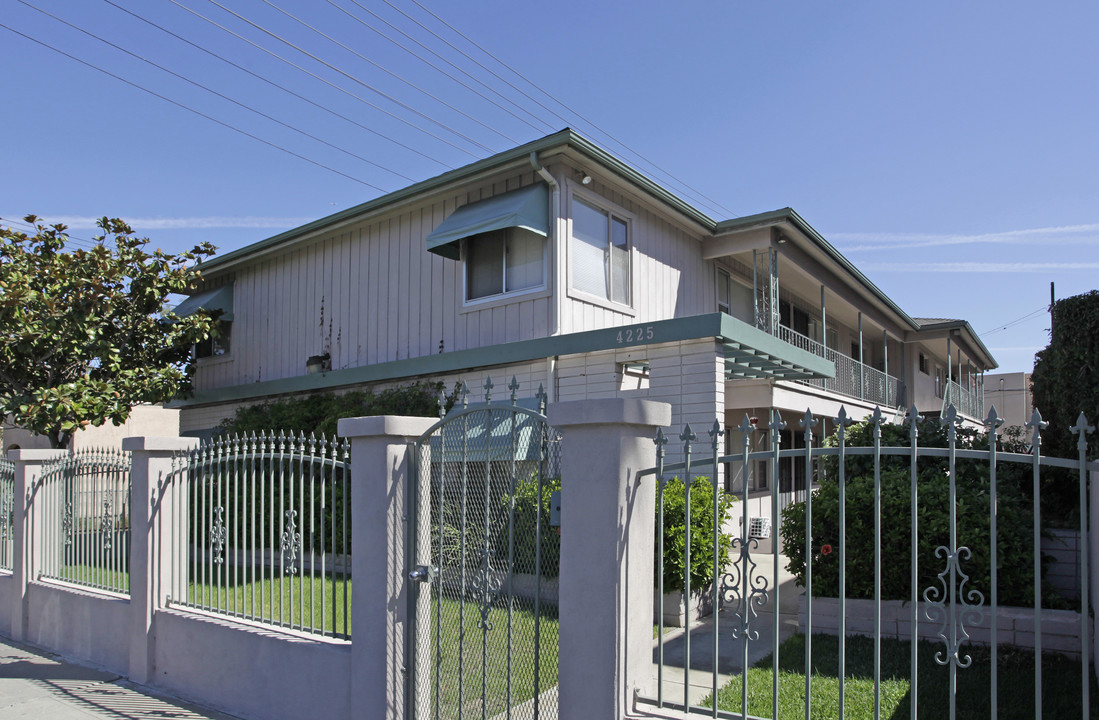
586	179
318	364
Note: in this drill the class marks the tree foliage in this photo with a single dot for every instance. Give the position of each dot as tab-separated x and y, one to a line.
1065	381
83	333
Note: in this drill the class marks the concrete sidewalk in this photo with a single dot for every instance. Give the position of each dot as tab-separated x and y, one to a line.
35	685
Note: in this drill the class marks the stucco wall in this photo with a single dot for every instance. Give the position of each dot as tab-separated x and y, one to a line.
82	625
251	671
7	585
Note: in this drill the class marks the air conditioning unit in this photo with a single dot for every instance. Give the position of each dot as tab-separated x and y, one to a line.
759	527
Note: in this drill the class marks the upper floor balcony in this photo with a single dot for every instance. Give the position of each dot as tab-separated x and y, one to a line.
853	379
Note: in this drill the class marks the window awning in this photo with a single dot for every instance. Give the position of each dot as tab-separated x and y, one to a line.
526	208
219	299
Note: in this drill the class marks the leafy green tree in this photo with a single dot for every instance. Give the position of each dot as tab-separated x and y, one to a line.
1066	375
83	333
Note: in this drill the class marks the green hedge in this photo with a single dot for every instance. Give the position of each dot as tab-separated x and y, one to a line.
319	413
1014	522
702	533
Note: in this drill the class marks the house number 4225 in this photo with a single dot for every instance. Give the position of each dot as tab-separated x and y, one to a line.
635	334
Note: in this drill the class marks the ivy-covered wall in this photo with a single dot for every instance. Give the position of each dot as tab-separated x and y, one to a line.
1065	381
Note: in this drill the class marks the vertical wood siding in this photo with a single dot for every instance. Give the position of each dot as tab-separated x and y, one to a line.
670	278
369	294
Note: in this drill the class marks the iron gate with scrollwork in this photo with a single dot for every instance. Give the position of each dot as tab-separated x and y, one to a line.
483	562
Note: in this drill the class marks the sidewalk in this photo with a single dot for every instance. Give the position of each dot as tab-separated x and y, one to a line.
35	685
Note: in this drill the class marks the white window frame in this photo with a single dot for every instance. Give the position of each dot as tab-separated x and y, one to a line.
601	203
505	296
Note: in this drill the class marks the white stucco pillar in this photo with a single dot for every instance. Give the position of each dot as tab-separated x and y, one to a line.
606	582
28	537
157	547
380	476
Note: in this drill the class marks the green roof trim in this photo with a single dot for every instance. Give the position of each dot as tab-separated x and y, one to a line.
526	208
566	138
775	358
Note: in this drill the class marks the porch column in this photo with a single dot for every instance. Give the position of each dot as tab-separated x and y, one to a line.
823	322
158	499
862	373
381	469
27	531
607	526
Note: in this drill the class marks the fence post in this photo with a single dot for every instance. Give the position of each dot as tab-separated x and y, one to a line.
153	492
380	475
28	540
1093	560
607	525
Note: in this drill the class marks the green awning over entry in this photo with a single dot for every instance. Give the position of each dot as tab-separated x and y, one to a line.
219	299
526	208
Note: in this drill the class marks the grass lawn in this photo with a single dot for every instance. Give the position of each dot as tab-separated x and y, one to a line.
1015	682
458	674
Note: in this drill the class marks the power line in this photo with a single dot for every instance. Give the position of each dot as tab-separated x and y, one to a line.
207	89
699	194
545	125
402	79
370	87
189	109
1017	321
23	225
271	83
316	77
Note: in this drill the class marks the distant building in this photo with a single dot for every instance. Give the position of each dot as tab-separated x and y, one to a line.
1011	394
143	420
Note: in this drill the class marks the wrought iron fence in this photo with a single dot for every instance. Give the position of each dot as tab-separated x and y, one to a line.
7	513
263	531
853	378
985	499
85	513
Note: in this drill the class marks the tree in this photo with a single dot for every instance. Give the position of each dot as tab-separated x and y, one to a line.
1065	381
84	335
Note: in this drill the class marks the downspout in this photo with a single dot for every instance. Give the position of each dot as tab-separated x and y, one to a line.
555	269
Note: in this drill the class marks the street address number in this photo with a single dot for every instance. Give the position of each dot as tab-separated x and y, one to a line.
635	334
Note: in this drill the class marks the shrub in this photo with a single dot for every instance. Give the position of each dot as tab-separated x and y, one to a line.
1014	521
702	533
319	413
525	529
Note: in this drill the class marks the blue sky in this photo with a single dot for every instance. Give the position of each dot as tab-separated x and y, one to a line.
948	149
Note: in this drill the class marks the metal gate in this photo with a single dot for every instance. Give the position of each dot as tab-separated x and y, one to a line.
483	563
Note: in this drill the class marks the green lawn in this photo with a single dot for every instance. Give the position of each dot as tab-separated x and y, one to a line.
1015	681
458	675
281	599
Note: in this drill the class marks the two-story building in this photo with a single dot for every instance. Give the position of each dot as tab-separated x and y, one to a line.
561	265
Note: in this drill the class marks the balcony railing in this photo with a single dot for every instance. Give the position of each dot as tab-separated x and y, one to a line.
967	402
853	379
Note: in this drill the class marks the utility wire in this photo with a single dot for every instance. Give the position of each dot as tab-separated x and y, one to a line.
412	85
368	86
23	226
317	77
189	109
1017	321
545	125
204	87
710	201
273	84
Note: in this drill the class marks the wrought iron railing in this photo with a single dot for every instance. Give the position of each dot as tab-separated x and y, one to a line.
263	531
853	378
85	513
967	402
7	513
942	502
